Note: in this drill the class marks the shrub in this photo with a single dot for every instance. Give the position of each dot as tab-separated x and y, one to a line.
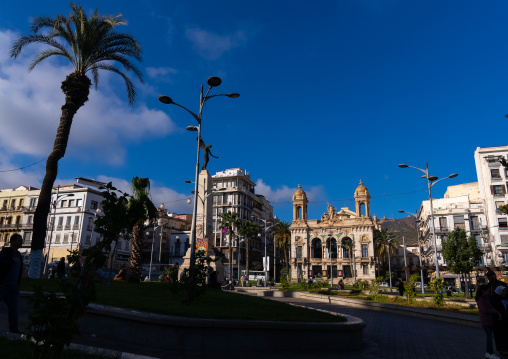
411	290
437	286
284	279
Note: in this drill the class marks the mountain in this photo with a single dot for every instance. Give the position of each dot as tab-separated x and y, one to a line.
401	227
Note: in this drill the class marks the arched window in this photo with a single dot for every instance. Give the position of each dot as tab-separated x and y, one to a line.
333	247
317	251
347	247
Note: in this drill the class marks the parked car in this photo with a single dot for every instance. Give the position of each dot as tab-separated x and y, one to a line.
419	285
384	284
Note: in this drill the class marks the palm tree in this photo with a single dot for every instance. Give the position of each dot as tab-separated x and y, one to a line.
384	243
283	239
349	246
141	209
248	229
90	44
229	221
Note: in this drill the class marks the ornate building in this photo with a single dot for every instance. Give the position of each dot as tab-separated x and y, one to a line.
340	243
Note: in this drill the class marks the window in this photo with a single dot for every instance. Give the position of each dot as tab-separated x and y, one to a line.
504	238
63	204
443	223
334	271
299	252
365	268
494	173
71	203
365	250
93	205
498	190
458	222
13	203
57	239
33	202
69	219
316	248
60	221
76	220
502	222
347	272
30	219
21	202
79	202
27	237
474	222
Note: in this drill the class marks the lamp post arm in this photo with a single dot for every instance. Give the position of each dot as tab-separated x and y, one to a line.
419	169
198	118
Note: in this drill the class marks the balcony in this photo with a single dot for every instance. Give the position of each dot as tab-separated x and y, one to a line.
460	225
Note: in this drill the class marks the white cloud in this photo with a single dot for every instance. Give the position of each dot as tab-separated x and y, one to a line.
30	107
285	193
212	46
173	201
161	73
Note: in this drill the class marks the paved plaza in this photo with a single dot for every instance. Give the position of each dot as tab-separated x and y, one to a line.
386	336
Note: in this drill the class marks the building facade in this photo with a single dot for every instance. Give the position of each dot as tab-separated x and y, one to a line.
492	181
235	192
340	245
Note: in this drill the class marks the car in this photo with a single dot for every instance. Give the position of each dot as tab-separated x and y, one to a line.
384	284
419	285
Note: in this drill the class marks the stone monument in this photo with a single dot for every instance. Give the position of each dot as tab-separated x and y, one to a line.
204	225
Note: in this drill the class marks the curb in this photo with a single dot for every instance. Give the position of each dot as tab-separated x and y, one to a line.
84	348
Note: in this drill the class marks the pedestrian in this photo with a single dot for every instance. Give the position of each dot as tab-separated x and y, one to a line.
244	280
11	268
500	327
488	316
400	285
60	268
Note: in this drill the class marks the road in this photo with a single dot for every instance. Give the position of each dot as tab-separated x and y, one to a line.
391	336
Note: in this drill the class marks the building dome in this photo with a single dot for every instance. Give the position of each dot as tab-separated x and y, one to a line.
300	193
361	188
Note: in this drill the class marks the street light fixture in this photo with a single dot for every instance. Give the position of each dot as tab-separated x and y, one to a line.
415	215
266	258
212	81
431	181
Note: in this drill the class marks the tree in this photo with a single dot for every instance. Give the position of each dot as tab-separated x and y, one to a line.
349	246
282	235
461	253
247	229
142	209
384	243
90	44
229	221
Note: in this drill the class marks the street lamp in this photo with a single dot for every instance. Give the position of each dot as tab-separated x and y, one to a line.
431	181
415	215
151	255
266	258
53	203
389	264
212	81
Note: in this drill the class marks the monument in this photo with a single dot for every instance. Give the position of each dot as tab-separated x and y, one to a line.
204	225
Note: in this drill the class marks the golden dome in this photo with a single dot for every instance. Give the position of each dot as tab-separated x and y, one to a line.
361	187
300	192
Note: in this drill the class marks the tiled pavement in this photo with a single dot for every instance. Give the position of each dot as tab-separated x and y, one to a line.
386	335
392	336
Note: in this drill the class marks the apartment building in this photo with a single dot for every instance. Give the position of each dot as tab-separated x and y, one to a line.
492	180
461	207
237	194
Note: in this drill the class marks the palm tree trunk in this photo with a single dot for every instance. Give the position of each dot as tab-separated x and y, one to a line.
76	88
247	259
136	253
230	269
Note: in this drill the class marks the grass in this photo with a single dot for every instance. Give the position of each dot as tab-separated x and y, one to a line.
21	349
214	304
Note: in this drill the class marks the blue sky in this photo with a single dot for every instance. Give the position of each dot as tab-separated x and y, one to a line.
331	92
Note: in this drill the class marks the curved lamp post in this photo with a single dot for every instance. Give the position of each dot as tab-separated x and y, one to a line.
431	181
415	215
266	258
212	81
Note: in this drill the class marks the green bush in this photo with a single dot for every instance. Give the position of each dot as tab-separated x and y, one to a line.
411	289
284	279
437	286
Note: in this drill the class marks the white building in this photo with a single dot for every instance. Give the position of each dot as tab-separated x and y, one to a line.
492	180
461	207
238	195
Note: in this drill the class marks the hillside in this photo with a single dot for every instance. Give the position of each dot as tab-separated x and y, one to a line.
401	227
